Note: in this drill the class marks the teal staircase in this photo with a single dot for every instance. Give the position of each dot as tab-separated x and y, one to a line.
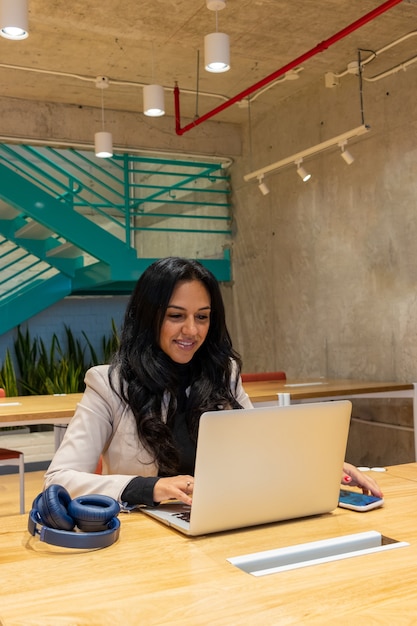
71	223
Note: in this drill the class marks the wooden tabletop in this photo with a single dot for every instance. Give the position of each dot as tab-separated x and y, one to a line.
52	409
266	391
155	576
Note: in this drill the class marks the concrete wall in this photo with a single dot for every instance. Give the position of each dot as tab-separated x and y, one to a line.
325	272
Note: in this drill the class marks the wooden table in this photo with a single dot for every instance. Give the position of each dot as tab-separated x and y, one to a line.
28	410
326	389
310	390
50	409
54	409
58	410
155	576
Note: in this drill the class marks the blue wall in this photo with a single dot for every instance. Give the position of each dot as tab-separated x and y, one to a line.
91	314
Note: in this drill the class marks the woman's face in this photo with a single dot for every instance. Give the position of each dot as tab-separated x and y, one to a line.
186	321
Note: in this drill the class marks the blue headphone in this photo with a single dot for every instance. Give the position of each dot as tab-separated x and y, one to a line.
54	517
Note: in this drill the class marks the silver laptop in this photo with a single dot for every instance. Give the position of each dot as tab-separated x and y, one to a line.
262	465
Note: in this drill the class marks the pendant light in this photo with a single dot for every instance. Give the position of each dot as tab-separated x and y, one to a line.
153	100
103	141
216	45
153	95
14	19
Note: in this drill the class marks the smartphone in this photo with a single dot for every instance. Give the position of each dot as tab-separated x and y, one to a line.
358	501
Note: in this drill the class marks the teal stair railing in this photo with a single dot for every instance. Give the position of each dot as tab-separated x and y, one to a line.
93	225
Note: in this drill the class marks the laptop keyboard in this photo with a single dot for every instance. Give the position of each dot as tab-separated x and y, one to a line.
184	515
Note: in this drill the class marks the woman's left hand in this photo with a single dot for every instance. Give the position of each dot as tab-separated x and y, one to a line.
355	478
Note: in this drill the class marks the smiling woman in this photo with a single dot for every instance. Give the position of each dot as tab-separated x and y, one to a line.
186	322
141	414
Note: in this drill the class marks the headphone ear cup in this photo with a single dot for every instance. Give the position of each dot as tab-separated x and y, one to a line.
52	506
93	513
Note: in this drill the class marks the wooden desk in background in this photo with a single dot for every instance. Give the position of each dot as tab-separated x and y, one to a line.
32	410
322	389
154	575
58	410
51	409
326	389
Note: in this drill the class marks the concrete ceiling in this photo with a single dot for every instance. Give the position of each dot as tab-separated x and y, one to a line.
138	43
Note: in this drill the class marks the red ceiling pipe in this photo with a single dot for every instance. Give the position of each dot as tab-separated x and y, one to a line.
178	129
265	81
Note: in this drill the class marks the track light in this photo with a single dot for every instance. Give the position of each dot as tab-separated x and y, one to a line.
345	154
263	187
301	171
153	100
347	157
103	141
339	140
216	45
14	20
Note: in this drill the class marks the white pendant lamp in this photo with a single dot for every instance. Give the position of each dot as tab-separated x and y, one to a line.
14	19
153	100
217	52
103	144
216	45
103	141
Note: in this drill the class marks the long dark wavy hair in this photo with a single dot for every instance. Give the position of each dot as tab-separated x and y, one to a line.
144	372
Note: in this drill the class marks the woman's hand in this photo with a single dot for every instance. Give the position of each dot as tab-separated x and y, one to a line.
174	488
355	478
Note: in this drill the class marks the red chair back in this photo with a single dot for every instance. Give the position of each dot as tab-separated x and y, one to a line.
250	378
99	468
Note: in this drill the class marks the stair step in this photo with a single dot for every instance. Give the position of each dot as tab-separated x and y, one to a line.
33	230
7	212
66	250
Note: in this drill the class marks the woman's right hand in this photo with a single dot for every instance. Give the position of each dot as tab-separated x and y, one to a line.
174	488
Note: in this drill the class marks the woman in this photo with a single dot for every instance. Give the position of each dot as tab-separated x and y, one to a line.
141	413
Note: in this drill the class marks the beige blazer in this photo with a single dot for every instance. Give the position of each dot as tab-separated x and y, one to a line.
104	426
